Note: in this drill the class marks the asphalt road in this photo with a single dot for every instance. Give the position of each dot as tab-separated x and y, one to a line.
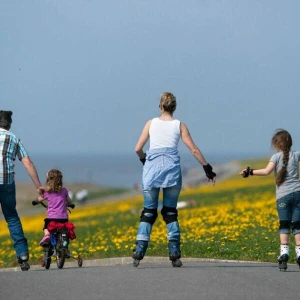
155	278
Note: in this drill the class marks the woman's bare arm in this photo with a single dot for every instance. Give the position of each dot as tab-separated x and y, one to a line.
142	141
188	141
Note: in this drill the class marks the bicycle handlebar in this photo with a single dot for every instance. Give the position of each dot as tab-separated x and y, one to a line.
34	203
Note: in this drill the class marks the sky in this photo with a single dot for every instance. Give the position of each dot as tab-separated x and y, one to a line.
84	77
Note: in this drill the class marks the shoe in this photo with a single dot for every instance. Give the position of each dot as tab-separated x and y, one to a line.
23	261
45	240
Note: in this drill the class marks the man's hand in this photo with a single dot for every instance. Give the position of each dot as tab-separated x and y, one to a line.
41	190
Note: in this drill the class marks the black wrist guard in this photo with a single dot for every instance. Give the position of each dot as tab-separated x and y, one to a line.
248	172
209	171
143	160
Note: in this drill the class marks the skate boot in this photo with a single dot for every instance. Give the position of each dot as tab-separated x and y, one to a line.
283	257
298	261
297	249
23	261
175	253
282	261
139	252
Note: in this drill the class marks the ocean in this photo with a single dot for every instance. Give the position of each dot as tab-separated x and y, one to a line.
109	170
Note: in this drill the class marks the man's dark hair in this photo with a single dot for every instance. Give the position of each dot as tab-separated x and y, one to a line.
5	119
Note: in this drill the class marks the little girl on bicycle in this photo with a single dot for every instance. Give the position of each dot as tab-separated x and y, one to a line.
285	165
58	199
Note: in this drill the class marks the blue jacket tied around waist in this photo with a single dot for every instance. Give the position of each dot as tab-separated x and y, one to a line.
162	168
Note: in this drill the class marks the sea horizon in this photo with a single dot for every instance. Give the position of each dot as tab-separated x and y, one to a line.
110	169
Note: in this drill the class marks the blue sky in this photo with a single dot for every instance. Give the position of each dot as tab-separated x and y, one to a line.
85	76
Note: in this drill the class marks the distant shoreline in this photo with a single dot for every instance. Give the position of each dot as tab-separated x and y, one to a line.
118	171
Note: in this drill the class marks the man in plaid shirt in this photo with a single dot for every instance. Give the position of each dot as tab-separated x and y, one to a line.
10	148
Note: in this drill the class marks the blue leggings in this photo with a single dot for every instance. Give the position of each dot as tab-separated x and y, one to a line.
170	199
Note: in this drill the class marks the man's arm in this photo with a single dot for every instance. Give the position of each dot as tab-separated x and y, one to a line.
29	166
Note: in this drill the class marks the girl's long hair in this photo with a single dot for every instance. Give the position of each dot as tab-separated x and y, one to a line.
54	181
282	141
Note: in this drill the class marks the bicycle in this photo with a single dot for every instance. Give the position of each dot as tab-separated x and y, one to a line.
58	246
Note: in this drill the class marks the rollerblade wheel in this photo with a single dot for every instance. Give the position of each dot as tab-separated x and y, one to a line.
283	266
176	263
136	262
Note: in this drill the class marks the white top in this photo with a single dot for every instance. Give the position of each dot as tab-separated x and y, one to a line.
164	134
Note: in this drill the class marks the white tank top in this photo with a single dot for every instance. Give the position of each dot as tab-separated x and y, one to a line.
164	134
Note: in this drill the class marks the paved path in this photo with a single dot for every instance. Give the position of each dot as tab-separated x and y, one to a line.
155	278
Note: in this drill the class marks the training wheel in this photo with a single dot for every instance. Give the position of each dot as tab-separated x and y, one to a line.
79	259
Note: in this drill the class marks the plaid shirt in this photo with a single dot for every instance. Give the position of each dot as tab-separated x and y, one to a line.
10	147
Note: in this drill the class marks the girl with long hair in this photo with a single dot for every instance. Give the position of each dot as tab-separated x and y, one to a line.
58	198
285	164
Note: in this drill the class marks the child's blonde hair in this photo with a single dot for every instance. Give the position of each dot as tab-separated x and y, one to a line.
168	102
54	181
282	141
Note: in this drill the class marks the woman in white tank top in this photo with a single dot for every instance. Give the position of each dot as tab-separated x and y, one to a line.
162	171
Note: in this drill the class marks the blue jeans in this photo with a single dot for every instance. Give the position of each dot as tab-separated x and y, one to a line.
288	208
8	205
170	199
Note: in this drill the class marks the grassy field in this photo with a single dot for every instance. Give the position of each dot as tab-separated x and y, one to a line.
236	219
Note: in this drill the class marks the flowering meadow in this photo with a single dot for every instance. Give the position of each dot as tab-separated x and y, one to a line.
236	219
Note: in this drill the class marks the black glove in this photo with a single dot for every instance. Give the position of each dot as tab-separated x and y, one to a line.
72	205
143	160
209	171
248	172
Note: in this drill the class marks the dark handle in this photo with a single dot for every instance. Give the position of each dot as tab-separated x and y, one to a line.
34	203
